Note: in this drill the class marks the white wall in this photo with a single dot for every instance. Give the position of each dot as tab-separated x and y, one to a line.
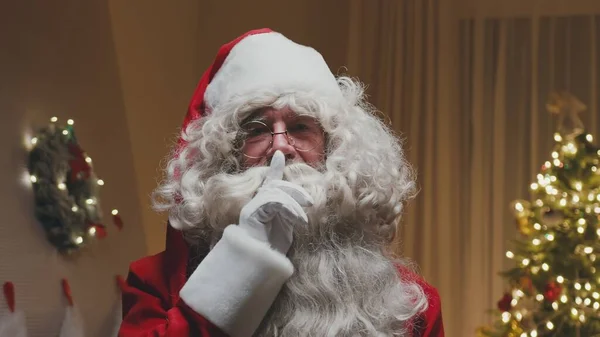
58	58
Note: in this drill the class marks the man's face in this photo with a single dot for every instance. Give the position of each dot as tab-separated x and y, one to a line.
299	137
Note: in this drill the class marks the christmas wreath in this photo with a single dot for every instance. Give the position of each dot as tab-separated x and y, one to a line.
65	187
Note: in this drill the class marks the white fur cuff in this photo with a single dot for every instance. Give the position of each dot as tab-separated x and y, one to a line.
237	282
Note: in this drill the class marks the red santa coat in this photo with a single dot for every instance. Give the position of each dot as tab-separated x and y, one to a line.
152	306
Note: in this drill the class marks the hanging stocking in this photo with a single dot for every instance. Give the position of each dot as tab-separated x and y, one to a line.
72	325
13	324
118	309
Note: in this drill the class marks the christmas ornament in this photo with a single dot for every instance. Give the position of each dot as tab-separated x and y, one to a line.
515	328
526	284
552	291
524	226
65	187
504	302
521	211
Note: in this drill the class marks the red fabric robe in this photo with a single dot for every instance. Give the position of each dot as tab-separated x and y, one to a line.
152	307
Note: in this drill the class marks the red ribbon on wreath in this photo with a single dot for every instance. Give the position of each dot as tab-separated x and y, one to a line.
78	163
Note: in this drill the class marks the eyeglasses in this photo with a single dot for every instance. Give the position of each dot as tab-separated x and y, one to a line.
304	133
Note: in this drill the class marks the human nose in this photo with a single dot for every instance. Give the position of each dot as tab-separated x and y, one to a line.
282	142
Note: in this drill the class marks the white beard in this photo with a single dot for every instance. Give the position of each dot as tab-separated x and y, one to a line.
344	284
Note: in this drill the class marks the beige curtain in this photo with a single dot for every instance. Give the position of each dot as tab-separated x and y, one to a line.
468	96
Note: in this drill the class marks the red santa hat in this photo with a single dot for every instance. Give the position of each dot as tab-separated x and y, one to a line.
261	60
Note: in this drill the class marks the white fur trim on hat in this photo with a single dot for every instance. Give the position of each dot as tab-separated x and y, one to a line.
237	282
271	62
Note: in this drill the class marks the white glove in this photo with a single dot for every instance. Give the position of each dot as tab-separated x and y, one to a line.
276	208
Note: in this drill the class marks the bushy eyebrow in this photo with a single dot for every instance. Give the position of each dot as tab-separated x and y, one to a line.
258	116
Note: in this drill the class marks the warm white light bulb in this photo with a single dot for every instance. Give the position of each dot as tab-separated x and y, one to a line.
588	286
70	122
550	237
557	137
545	266
596	305
580	230
577	285
89	201
65	132
100	182
33	179
510	254
537	226
536	241
525	262
34	140
92	231
555	305
115	212
564	298
54	119
88	160
79	240
74	208
62	186
589	138
533	333
539	297
550	325
588	250
505	317
560	279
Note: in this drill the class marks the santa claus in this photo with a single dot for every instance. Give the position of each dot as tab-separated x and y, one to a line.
283	193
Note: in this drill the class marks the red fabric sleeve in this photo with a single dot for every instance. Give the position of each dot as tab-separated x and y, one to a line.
430	322
147	312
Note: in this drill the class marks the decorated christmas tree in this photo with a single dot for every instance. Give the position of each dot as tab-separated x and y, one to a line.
554	288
